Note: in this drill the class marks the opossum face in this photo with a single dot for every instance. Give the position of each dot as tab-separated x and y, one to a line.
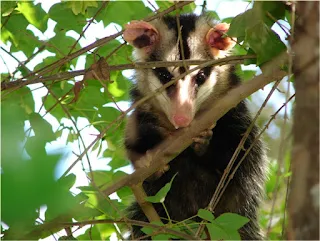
198	38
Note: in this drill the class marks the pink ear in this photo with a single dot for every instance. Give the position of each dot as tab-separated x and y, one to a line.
141	34
217	41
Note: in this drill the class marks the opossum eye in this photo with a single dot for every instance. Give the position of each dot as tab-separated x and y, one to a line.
203	75
201	78
163	74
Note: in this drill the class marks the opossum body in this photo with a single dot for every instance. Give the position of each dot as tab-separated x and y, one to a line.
201	165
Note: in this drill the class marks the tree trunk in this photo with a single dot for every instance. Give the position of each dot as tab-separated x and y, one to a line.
303	206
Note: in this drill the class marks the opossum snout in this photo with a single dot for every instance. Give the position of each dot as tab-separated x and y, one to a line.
181	121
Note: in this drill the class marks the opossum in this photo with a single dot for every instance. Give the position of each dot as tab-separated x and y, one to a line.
199	167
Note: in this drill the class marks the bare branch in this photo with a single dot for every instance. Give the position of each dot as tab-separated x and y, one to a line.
138	65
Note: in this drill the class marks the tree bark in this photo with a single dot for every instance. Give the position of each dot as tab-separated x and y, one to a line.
303	206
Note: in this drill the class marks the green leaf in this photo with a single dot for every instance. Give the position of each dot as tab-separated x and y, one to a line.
61	44
81	6
275	9
118	175
205	214
46	61
67	182
272	178
65	18
41	128
216	232
149	230
57	111
231	221
133	10
101	177
6	35
91	233
34	146
116	163
7	7
264	42
162	193
186	9
96	145
22	39
245	75
213	14
126	195
241	22
34	14
108	114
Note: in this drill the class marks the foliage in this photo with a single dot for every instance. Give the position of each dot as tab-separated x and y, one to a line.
36	196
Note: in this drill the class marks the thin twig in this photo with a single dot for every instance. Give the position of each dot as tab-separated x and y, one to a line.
9	74
75	127
15	58
204	7
133	222
254	142
138	65
282	147
88	25
279	24
28	60
179	28
213	202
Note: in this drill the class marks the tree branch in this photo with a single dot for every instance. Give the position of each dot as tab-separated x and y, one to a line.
138	65
133	222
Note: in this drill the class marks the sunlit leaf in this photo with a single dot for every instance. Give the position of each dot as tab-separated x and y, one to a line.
34	14
205	214
162	193
231	220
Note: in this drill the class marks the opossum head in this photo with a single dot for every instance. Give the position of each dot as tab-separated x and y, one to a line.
197	38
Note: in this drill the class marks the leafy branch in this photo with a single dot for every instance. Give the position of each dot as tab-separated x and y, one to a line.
35	74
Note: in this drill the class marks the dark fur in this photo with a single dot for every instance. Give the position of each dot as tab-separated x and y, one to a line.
198	176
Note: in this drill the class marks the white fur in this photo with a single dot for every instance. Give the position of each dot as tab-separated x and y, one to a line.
206	89
163	99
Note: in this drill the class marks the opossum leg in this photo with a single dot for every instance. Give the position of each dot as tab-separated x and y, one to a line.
201	142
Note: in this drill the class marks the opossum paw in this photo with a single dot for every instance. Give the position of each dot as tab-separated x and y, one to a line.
201	142
158	173
161	171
